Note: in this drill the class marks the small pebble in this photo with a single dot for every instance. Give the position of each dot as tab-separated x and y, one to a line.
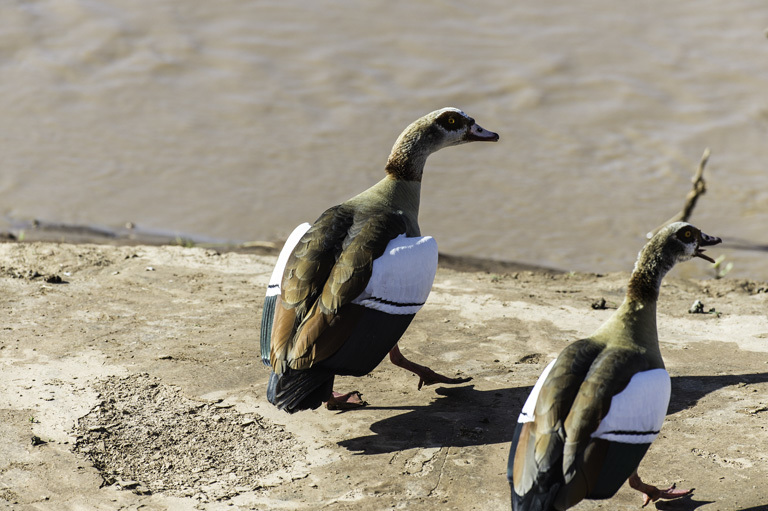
696	308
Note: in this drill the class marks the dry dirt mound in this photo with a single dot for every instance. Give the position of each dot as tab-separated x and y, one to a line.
147	437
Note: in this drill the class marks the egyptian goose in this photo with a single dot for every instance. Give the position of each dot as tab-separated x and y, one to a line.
345	289
596	408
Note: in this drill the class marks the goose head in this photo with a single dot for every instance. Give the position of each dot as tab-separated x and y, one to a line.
675	243
682	241
442	128
450	126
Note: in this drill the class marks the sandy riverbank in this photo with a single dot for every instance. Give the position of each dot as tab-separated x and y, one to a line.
130	379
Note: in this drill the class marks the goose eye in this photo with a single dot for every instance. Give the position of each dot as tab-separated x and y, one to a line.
686	234
450	121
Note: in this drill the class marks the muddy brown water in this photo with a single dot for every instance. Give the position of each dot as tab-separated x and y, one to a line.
235	120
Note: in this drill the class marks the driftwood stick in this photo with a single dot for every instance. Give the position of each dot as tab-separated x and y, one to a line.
698	189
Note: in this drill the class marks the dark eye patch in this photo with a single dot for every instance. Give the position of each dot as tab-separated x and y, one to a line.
451	121
686	234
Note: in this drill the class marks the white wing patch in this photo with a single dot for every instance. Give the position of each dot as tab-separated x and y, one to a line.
638	411
402	277
527	415
277	274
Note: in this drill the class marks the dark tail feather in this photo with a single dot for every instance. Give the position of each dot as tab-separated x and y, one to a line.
534	501
294	390
531	501
267	316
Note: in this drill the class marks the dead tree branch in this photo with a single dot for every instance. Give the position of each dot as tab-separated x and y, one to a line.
698	189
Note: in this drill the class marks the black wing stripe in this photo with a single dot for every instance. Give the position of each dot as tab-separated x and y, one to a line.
394	304
639	433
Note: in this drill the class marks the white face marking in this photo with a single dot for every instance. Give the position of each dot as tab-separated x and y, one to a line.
690	249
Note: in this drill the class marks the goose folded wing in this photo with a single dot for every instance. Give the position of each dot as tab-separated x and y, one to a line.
582	459
327	288
303	279
540	448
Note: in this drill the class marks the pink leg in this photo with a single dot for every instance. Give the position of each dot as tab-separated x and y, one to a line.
426	375
652	493
348	401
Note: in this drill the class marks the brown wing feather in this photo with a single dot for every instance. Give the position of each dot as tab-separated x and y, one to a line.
322	334
573	400
541	460
329	268
523	452
609	375
305	273
352	271
283	328
311	262
583	455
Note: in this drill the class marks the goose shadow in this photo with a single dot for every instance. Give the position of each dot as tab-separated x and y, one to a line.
459	417
687	503
464	416
688	390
